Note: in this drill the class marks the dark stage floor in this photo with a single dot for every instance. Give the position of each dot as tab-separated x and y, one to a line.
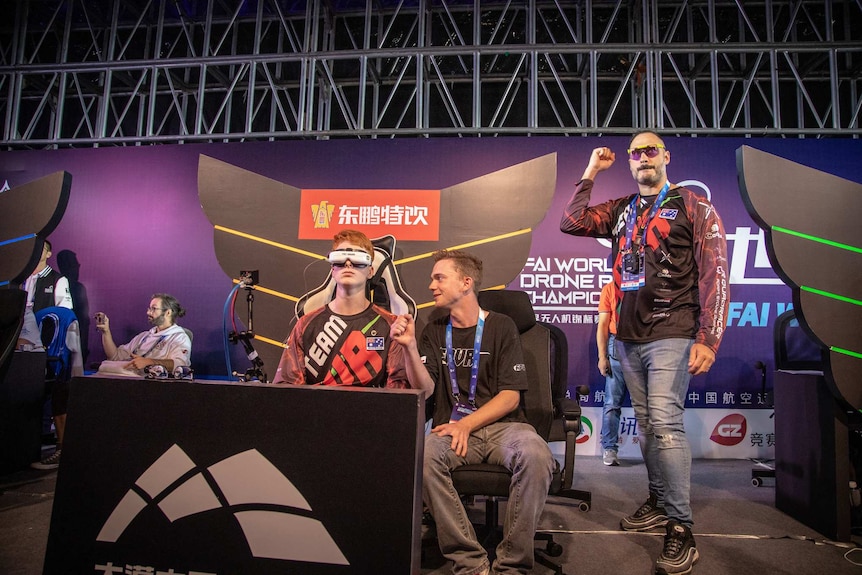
738	530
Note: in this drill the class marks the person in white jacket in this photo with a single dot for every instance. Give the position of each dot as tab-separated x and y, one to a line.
166	343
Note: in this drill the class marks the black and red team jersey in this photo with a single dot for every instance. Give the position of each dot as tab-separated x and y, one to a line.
686	290
326	348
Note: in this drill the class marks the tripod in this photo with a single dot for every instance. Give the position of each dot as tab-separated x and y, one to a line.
255	372
762	468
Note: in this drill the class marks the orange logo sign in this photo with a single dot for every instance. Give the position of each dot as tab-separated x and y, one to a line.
406	214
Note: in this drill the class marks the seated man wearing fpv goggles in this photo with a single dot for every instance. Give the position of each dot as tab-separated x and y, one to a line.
349	340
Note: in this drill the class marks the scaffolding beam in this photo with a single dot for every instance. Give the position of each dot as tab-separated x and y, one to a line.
81	73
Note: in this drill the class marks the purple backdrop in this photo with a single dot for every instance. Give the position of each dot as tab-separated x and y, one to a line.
135	223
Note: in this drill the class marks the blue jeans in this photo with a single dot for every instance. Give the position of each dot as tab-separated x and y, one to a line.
515	446
615	389
657	378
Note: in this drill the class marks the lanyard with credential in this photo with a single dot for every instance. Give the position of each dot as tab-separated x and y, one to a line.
632	274
633	214
474	370
152	347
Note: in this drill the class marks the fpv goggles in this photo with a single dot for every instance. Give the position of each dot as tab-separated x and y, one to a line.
359	259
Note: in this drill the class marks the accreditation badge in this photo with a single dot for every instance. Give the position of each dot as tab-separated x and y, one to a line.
461	410
632	276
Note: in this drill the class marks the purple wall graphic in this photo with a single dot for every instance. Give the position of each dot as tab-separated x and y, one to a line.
135	223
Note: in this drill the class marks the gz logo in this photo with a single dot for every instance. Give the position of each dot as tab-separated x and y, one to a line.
730	430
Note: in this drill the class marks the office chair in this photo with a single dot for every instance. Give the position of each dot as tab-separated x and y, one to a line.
12	303
555	418
793	350
62	341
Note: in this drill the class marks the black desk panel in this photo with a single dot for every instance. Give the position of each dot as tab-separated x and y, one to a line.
812	454
231	479
22	396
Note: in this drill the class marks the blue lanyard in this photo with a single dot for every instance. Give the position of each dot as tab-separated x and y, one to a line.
474	370
152	347
633	214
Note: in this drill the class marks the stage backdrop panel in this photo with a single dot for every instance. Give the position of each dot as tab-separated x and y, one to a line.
218	478
136	225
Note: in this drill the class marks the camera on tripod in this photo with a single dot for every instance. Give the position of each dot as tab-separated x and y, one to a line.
247	280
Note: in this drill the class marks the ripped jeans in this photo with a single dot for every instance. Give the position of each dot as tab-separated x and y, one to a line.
656	374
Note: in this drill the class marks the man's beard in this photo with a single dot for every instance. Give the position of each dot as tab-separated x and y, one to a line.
650	179
158	320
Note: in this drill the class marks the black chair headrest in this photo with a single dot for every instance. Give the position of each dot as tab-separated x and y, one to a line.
515	304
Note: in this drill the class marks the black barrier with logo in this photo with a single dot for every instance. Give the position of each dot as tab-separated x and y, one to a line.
225	479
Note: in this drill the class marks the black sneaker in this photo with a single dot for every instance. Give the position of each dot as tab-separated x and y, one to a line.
680	553
50	462
648	516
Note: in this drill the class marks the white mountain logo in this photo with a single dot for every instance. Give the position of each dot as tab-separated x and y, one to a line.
245	479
